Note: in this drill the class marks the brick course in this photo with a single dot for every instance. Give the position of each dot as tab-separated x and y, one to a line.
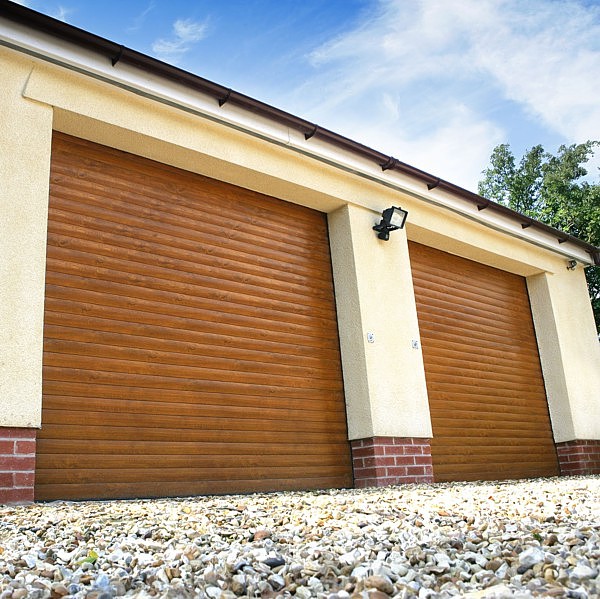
383	461
579	457
17	464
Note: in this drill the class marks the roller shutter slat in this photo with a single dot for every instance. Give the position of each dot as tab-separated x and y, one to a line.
73	447
128	406
192	487
120	235
173	474
112	244
173	396
101	434
138	342
163	330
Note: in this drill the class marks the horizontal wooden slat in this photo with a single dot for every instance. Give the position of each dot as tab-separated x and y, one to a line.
493	439
508	467
483	426
90	265
222	234
329	402
490	374
164	331
482	352
184	262
91	433
186	488
171	474
470	305
74	447
98	350
467	386
81	335
486	393
203	310
168	182
510	470
488	290
110	243
158	292
130	380
124	184
476	403
482	412
190	336
149	419
494	449
194	373
186	323
149	463
124	405
446	319
74	224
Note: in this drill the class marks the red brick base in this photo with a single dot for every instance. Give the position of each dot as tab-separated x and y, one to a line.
17	464
382	461
579	457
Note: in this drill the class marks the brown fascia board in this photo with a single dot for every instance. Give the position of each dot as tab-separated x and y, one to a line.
117	53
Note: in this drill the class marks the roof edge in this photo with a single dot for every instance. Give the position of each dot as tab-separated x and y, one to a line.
118	53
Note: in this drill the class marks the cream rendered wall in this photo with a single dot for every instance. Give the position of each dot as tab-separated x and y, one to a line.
25	130
569	352
385	387
384	379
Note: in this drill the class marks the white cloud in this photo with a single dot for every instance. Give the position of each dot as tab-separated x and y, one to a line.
186	33
546	58
139	20
61	13
438	83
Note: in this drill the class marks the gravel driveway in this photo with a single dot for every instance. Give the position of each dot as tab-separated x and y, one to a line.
510	539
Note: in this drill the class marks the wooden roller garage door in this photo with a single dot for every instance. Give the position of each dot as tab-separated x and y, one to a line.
190	340
486	392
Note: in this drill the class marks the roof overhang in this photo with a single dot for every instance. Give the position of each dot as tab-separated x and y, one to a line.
64	44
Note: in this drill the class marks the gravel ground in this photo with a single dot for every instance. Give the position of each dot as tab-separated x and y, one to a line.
536	538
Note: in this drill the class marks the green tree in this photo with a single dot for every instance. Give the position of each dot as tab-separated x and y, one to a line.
551	189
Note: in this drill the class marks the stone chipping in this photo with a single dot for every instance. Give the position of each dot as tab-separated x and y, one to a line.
534	538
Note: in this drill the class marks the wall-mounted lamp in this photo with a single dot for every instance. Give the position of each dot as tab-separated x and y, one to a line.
392	219
571	264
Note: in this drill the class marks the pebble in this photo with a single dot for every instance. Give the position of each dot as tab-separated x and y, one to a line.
524	539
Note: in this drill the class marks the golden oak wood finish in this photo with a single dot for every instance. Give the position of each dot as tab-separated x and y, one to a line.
486	392
190	339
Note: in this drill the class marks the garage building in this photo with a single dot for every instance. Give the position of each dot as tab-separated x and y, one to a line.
194	300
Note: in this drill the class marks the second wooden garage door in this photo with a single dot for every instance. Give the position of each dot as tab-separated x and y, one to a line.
190	341
486	392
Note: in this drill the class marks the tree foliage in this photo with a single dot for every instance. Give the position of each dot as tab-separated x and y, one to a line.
551	189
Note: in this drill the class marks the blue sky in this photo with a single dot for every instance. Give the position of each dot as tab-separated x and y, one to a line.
435	83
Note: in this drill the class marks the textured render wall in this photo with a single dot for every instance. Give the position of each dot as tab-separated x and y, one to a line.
377	273
569	352
25	134
350	325
384	381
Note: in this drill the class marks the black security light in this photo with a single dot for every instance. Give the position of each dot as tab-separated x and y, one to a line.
392	219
